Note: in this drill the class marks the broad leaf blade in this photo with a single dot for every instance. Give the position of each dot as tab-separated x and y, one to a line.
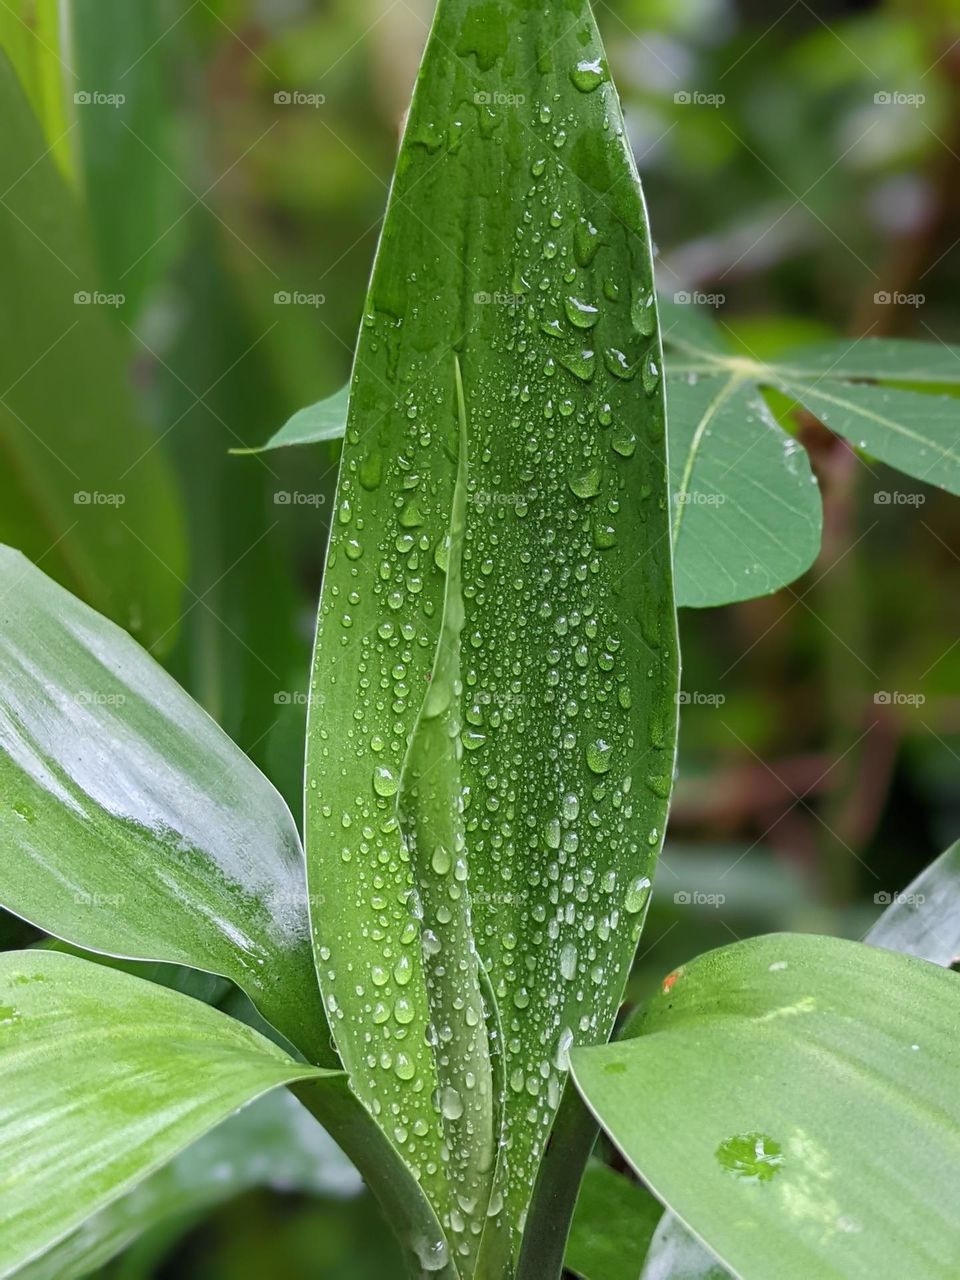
805	1112
272	1143
924	920
515	238
104	1078
88	491
675	1254
747	512
131	824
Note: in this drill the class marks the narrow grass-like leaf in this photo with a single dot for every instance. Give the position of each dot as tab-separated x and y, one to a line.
924	920
130	823
31	36
795	1101
515	243
273	1143
86	489
104	1078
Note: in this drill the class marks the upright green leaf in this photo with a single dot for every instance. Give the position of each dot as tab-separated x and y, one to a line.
87	490
31	36
130	823
104	1078
272	1143
515	244
795	1101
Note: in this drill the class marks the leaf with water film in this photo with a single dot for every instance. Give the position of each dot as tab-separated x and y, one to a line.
518	860
130	823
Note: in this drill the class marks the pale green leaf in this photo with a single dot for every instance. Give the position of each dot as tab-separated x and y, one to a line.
32	37
104	1078
273	1143
86	490
515	243
130	823
326	420
795	1101
924	919
675	1254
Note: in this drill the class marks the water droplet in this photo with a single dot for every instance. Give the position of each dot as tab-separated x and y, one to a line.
752	1156
587	75
581	314
385	781
599	755
586	484
637	894
451	1104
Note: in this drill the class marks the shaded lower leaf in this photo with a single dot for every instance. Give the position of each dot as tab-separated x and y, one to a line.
103	1079
675	1254
612	1226
272	1143
924	920
131	824
795	1101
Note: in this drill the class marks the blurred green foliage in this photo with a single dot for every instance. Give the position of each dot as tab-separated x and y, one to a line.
801	162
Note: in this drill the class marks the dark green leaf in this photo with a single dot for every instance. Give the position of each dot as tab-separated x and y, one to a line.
515	243
612	1227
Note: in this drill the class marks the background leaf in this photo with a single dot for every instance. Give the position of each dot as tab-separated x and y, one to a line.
124	1073
569	653
131	823
325	420
612	1226
90	496
924	920
805	1118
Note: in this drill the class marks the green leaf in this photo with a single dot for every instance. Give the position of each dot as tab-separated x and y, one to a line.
612	1226
87	491
131	824
30	36
515	245
326	420
755	512
924	920
795	1101
104	1078
273	1143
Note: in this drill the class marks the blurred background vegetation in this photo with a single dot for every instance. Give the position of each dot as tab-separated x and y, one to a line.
801	163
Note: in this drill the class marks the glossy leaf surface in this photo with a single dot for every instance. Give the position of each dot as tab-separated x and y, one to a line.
924	920
795	1101
131	824
124	1074
515	246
